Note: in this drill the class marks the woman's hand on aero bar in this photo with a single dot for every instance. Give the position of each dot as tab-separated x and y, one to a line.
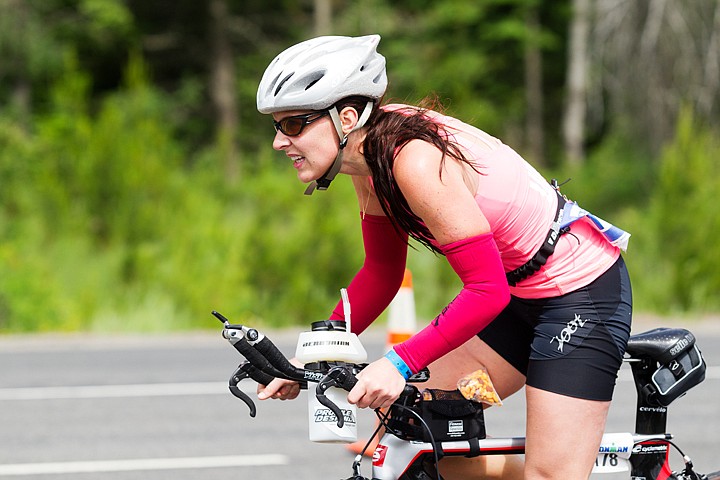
280	388
379	385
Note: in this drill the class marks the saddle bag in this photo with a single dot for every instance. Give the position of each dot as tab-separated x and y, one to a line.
675	378
680	365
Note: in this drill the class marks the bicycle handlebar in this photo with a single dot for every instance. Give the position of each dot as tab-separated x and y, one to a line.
265	362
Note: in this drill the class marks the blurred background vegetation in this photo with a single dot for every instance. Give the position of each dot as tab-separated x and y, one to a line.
138	188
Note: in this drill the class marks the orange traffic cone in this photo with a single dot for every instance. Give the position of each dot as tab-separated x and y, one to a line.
401	313
402	325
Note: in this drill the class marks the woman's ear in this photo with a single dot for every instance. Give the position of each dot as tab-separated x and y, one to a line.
348	119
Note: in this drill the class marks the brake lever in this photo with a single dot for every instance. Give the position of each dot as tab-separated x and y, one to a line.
245	370
337	377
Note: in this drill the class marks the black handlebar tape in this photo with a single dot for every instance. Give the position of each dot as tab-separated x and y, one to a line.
350	382
258	375
257	359
278	360
264	379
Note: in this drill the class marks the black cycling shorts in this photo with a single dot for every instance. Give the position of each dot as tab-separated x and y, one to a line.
572	344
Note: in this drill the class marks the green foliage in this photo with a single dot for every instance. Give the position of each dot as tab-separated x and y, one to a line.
470	53
101	227
669	207
88	189
106	20
616	176
115	214
26	50
299	250
685	220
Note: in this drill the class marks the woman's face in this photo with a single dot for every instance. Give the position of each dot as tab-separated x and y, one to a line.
313	150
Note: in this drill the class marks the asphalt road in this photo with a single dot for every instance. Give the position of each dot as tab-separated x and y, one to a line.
157	407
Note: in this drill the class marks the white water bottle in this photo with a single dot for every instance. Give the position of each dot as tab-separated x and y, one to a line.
331	340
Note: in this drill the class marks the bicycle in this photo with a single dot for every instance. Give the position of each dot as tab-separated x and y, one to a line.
665	364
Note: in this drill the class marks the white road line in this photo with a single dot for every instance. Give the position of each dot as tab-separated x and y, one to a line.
57	468
119	391
180	389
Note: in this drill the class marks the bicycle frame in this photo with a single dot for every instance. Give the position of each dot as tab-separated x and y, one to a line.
665	364
395	458
645	454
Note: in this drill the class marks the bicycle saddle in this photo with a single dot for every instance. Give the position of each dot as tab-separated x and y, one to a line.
661	344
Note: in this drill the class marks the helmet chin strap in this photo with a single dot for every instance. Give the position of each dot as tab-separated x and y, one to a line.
323	182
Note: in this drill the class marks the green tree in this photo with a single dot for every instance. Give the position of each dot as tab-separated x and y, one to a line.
685	216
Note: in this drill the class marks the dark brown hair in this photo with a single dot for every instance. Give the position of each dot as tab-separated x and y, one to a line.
387	133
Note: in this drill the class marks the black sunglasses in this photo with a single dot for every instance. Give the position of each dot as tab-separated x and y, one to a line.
293	126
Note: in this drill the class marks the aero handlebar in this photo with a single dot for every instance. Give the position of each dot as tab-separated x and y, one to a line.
266	362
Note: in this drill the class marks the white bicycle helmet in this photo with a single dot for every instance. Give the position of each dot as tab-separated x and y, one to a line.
315	74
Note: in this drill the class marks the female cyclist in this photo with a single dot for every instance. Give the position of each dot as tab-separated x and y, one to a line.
544	303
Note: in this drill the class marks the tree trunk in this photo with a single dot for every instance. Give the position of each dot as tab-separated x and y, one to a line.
711	69
534	89
18	74
323	17
575	111
222	87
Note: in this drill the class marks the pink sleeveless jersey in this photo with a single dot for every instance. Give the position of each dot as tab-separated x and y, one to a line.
520	206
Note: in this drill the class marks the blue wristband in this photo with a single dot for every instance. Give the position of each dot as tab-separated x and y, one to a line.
399	363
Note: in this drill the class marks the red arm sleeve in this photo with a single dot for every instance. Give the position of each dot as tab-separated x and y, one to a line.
376	283
485	293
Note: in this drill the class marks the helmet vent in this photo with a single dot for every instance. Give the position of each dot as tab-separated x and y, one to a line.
274	81
314	79
282	82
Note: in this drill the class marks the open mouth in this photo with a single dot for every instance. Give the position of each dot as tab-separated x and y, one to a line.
297	161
